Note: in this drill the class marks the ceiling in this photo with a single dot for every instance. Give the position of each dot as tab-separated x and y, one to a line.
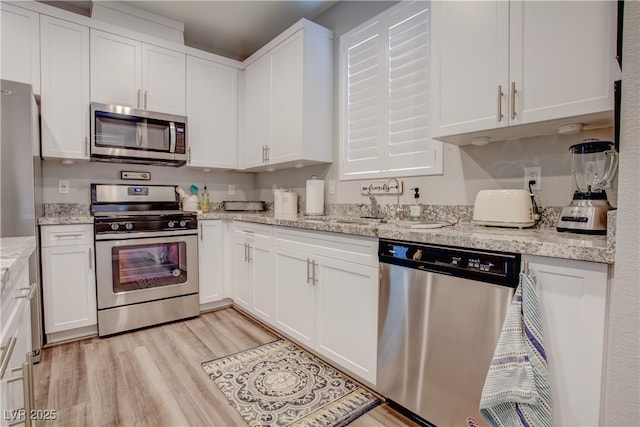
231	28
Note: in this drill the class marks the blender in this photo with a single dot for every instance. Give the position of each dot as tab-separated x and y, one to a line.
593	165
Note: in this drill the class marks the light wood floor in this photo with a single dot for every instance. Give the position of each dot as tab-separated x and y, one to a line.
153	377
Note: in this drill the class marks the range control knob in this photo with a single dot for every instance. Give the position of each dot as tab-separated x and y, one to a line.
115	226
128	226
183	223
171	224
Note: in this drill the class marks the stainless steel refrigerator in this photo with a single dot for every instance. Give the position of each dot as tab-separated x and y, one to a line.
21	196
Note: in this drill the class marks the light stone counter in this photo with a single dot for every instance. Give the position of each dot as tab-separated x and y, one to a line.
14	256
535	241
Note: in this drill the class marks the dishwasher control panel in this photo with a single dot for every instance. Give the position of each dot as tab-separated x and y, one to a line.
487	266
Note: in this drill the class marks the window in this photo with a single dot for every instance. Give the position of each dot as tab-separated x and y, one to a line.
385	78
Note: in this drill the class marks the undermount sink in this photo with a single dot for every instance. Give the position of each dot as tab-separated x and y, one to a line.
423	225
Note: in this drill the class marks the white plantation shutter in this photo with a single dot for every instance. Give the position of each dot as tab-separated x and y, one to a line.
385	98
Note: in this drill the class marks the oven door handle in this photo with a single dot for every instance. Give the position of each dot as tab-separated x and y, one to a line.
146	234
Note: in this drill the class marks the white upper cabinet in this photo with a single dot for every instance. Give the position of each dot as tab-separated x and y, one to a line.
212	113
288	100
65	101
129	73
20	45
497	64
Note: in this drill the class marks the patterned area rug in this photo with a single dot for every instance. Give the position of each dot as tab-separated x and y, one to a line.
279	384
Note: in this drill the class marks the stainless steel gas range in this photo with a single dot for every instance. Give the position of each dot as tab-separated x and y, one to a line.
146	257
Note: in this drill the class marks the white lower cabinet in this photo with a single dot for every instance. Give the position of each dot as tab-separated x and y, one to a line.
327	296
572	297
210	261
68	281
253	267
16	381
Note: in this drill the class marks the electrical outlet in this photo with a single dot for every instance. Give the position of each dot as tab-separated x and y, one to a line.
232	189
332	186
533	174
63	186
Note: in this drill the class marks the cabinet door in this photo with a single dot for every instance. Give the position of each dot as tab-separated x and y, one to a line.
116	69
264	293
572	297
20	45
243	277
295	295
347	315
286	100
12	389
65	89
212	111
258	114
163	80
562	57
469	63
211	261
69	290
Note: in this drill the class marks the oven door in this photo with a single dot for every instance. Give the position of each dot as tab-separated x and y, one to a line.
131	271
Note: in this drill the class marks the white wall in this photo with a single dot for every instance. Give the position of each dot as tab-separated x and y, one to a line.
467	169
622	392
81	175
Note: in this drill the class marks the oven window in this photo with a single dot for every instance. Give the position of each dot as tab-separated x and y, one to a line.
149	266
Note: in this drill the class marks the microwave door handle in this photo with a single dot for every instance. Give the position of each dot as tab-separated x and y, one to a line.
172	137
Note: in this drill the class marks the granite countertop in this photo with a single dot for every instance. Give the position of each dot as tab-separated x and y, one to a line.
534	241
14	256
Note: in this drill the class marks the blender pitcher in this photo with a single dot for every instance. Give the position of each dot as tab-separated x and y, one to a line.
593	166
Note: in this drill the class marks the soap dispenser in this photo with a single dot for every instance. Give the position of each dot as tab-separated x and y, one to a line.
415	210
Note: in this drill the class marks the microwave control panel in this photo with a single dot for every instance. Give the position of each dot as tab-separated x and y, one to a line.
180	139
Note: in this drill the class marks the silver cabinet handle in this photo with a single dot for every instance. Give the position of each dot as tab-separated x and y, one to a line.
189	155
248	231
250	252
245	252
145	99
268	154
513	100
90	258
500	94
61	236
138	98
28	292
200	226
264	153
313	269
6	355
308	268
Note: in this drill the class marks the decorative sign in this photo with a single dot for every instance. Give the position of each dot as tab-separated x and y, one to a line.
382	187
144	176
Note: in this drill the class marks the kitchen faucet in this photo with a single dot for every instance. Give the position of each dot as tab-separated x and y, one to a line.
397	214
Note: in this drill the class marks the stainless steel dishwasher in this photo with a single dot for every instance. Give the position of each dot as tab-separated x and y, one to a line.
441	313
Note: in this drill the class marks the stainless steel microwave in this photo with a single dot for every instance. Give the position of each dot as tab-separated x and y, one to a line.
127	135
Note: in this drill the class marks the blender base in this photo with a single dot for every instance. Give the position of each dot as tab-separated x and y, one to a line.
584	216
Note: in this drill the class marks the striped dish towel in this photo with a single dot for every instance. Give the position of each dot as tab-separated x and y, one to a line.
516	391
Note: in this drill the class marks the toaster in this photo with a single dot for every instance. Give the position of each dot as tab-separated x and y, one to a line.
504	208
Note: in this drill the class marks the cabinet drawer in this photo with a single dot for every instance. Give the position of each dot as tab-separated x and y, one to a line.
358	249
252	229
14	297
66	235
